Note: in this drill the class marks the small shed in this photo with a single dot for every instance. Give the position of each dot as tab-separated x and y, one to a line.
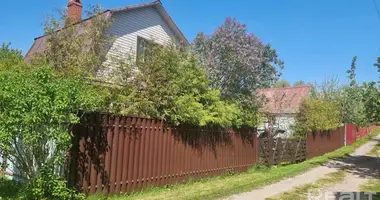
280	108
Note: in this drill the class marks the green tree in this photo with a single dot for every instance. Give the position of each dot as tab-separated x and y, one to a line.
372	102
352	72
352	101
36	109
377	65
10	58
299	83
76	49
172	84
317	115
281	84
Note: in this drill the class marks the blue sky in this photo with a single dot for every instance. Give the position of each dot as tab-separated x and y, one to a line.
315	38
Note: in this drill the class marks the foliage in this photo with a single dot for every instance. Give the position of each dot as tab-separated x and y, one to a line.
352	101
329	90
299	83
171	84
35	112
317	115
49	186
9	189
352	72
377	65
281	84
45	187
238	63
76	49
372	102
353	107
10	58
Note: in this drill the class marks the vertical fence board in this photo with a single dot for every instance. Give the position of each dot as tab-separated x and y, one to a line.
93	176
142	137
132	154
114	155
147	149
155	148
126	149
101	156
120	151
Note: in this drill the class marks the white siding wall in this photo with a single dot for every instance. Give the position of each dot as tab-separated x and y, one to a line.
283	122
127	26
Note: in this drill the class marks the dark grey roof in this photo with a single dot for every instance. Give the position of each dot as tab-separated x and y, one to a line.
40	42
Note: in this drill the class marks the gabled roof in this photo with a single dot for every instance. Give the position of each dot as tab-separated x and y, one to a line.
40	42
284	100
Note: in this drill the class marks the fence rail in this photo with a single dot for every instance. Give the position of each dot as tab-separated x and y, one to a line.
123	154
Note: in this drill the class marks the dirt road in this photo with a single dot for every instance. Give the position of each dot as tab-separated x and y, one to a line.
359	166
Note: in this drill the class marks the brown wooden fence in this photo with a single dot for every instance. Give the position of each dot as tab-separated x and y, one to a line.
123	154
320	143
112	154
276	151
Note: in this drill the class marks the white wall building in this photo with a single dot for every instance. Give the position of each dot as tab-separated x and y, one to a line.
283	105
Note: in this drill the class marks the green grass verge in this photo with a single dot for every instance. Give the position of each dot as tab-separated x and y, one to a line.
375	151
371	186
228	185
301	192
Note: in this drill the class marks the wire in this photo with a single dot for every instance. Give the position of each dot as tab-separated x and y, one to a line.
377	9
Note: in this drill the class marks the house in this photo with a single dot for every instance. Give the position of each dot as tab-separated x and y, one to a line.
132	27
281	107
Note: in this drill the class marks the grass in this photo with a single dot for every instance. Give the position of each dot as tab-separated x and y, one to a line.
228	185
375	151
371	186
301	192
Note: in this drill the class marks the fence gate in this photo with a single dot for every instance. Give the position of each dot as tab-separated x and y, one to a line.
277	151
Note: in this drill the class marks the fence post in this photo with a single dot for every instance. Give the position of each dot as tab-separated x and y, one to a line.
345	134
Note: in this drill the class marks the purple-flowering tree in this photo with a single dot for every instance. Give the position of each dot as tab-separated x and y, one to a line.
237	62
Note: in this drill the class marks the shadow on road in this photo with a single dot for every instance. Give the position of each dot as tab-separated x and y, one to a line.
362	165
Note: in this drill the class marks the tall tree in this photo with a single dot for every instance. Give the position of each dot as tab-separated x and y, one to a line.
377	65
237	62
352	72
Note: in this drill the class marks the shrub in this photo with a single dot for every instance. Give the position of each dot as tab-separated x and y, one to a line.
170	83
317	115
49	186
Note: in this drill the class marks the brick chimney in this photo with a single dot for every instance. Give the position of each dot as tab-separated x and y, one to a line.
74	11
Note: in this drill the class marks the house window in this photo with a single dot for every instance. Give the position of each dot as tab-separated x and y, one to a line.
144	48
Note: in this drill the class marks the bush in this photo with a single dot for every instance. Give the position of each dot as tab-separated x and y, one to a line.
49	186
36	109
170	83
9	189
317	115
